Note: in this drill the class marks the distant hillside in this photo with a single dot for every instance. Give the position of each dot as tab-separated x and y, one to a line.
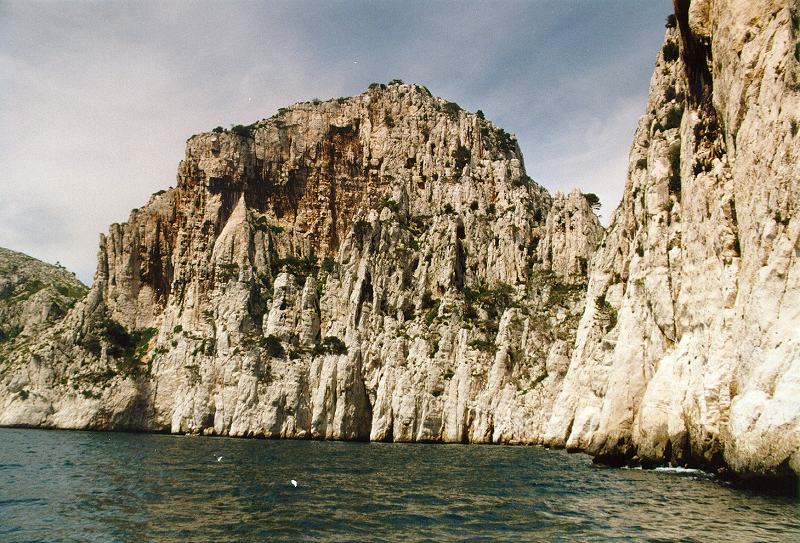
33	293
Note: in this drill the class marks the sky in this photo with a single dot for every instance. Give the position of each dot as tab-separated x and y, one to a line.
97	99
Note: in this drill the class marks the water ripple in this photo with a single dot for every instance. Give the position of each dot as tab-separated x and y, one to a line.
80	486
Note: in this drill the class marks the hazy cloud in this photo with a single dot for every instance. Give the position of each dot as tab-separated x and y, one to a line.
100	97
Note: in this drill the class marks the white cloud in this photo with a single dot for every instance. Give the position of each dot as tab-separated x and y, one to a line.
100	98
596	162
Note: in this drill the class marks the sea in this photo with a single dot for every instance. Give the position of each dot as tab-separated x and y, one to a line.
65	486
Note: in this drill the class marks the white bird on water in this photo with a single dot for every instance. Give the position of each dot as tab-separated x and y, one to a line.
219	459
294	483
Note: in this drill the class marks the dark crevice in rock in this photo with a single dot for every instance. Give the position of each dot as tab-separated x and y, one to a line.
696	54
157	268
613	454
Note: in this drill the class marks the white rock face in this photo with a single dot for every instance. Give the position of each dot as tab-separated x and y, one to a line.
365	268
689	348
571	236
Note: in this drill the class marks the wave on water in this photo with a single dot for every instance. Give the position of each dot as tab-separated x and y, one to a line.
679	470
682	471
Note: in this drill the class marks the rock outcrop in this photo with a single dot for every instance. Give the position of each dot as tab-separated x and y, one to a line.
33	294
381	267
689	349
363	268
571	237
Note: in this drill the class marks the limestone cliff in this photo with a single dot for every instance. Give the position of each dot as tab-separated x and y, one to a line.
363	268
689	349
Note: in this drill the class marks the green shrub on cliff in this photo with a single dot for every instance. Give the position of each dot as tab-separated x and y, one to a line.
592	200
494	300
328	264
243	131
126	347
462	157
272	345
300	267
10	333
505	141
606	311
482	345
451	108
671	51
330	345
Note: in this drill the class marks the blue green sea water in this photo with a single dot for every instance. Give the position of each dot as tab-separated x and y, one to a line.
95	487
